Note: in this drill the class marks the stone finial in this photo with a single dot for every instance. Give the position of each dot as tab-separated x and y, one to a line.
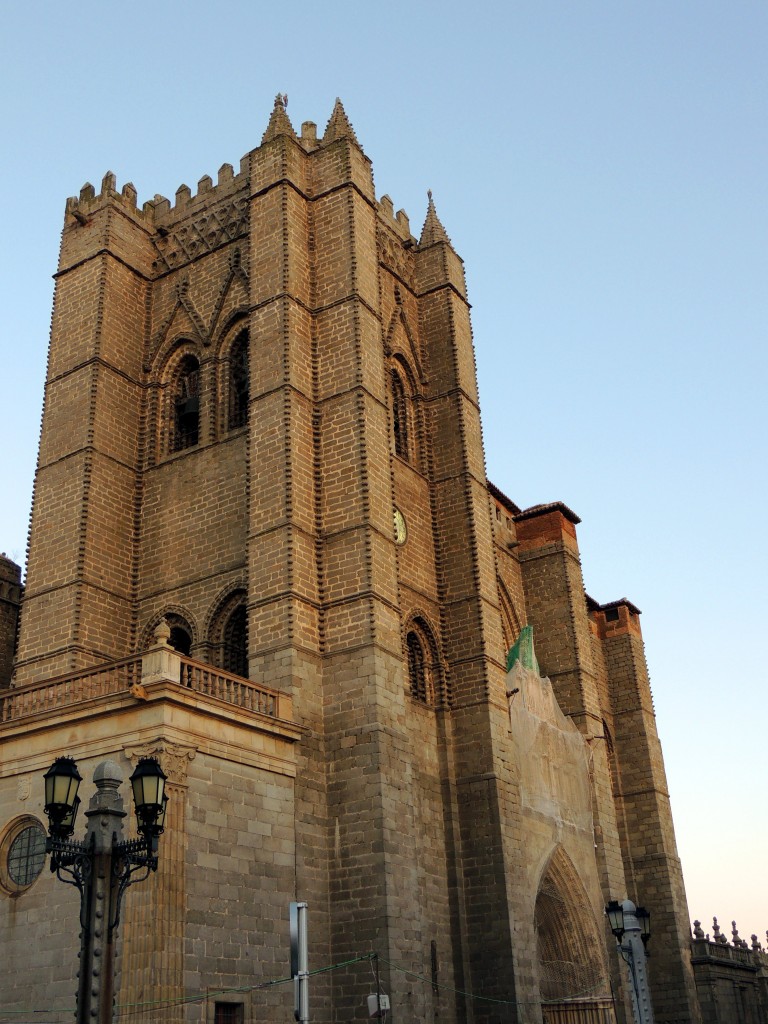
108	775
737	941
698	931
717	935
106	809
162	633
433	230
279	122
756	947
338	126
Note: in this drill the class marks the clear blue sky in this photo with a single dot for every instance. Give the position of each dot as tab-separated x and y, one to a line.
601	169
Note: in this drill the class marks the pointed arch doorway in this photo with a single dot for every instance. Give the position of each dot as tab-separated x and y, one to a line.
574	985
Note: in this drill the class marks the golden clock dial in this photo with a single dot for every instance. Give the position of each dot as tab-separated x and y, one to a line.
401	531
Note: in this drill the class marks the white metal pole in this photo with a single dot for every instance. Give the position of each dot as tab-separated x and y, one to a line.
300	961
633	953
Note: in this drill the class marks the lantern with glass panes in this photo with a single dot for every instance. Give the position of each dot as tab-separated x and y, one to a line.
630	925
615	914
71	859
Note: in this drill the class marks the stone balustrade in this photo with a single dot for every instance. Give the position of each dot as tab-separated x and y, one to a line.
159	664
68	690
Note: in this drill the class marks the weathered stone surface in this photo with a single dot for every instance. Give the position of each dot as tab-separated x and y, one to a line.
245	391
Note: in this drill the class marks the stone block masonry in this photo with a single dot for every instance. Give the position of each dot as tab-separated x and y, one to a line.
262	426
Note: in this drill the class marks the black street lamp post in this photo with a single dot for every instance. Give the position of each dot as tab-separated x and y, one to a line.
103	865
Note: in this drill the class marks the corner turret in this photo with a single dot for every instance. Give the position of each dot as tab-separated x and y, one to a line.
433	230
437	263
338	126
279	122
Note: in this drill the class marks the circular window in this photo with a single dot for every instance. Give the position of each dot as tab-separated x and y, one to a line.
22	854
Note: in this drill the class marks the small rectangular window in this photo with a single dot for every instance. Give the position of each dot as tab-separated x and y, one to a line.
611	614
228	1013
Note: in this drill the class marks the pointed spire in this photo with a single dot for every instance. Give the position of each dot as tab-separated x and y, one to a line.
433	230
279	122
338	126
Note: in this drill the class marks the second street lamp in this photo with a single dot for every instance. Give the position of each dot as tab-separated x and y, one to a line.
644	920
632	927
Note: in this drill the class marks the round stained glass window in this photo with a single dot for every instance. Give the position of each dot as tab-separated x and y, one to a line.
22	854
26	855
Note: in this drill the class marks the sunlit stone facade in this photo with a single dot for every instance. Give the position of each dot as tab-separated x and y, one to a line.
262	426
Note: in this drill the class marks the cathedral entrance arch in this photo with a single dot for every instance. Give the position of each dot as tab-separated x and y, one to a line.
573	977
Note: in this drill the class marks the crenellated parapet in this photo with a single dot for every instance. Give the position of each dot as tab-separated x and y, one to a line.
154	211
398	222
84	205
395	243
194	223
179	232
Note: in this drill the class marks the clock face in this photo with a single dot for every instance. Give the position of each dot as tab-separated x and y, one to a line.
401	531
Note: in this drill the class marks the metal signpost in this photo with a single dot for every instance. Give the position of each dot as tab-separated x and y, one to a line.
300	961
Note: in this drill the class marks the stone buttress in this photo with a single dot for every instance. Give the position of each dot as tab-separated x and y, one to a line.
261	415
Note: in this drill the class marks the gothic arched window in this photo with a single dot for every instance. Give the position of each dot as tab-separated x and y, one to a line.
425	682
235	650
399	415
238	382
180	640
181	635
417	669
185	431
227	633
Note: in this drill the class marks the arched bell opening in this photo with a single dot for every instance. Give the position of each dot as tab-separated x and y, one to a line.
227	645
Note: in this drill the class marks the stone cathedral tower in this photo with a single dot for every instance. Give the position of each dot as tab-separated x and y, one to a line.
263	546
